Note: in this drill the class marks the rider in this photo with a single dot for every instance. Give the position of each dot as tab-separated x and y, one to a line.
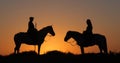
32	31
88	32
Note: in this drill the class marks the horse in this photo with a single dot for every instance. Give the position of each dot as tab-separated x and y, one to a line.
97	39
23	37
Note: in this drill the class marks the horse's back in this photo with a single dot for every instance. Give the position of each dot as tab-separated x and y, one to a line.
101	39
19	36
99	36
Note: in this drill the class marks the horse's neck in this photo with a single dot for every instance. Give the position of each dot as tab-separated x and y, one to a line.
77	36
42	33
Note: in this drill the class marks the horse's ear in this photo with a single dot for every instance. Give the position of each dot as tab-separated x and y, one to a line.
69	31
51	25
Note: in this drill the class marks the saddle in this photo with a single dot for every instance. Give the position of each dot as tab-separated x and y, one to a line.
87	36
33	36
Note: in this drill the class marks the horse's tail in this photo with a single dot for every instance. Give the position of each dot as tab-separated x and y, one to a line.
16	42
102	43
17	37
105	45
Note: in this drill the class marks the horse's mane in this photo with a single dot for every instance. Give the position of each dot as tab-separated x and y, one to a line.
45	28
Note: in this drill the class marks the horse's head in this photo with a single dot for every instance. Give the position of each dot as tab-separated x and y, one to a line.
72	34
50	30
44	31
68	36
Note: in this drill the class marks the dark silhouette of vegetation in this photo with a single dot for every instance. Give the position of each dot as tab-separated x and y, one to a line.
59	57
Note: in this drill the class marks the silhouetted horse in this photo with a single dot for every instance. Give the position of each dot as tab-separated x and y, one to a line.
96	39
23	37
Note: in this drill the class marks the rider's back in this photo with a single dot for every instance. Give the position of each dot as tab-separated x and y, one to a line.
32	31
88	32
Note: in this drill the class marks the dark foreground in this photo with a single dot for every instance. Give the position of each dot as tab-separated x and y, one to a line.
59	57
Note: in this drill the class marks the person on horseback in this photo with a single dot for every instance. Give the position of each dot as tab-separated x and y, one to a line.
32	31
88	32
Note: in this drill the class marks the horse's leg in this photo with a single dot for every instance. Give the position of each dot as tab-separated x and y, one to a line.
38	49
18	47
82	50
15	49
105	48
100	48
106	51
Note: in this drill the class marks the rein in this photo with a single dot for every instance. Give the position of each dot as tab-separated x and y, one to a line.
49	35
70	42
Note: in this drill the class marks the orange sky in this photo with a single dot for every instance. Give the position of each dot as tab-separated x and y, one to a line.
64	15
